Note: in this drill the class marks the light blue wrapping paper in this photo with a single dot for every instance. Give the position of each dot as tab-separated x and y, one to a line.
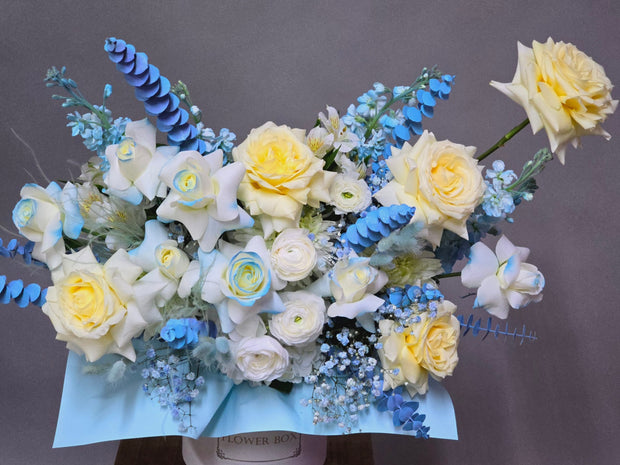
93	411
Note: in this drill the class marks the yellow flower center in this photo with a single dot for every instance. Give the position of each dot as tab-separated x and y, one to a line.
126	149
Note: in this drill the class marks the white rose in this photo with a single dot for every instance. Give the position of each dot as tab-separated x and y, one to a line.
43	215
293	255
353	285
349	195
172	261
203	196
302	321
261	358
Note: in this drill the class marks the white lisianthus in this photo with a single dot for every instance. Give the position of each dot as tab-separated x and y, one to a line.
302	321
135	164
203	196
562	90
43	215
93	307
349	195
261	358
503	278
293	255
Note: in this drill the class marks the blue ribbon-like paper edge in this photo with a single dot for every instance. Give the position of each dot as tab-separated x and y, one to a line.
92	410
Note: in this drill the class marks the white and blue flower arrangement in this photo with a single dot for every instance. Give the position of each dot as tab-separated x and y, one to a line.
289	281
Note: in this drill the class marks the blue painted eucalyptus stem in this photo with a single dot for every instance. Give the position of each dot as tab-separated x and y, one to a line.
154	90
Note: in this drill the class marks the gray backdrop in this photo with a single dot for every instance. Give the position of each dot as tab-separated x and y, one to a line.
554	401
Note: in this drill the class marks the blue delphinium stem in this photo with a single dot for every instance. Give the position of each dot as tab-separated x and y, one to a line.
154	90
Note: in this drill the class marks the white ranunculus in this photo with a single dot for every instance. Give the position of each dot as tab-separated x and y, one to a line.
302	321
261	358
349	195
293	255
503	278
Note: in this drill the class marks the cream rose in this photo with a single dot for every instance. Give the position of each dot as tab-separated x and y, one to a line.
562	90
353	285
429	346
282	175
172	261
92	306
293	255
440	178
261	358
302	321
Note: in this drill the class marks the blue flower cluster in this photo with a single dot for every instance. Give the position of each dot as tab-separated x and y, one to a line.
224	141
425	101
184	332
154	90
404	304
96	126
376	225
174	382
497	201
453	248
348	377
97	134
404	413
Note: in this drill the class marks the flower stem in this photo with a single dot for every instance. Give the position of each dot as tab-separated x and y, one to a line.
446	275
505	138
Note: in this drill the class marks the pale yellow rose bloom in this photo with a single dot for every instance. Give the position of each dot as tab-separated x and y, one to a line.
562	90
282	175
440	178
426	347
93	307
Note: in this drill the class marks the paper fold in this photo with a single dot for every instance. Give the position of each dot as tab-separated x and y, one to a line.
92	411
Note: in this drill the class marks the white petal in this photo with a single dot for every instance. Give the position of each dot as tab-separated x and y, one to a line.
369	303
144	255
490	298
482	263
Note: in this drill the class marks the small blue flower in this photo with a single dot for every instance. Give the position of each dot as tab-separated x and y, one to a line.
179	333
